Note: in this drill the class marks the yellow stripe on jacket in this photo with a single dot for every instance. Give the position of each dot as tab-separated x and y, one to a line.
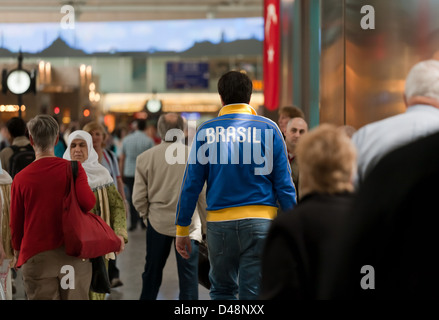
235	213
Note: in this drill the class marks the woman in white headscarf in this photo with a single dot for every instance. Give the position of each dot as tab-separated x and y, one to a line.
6	250
109	204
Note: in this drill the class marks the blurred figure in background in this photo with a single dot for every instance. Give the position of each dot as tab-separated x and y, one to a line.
387	249
421	118
118	136
133	144
17	132
295	129
151	131
349	130
105	157
4	137
61	146
286	114
297	241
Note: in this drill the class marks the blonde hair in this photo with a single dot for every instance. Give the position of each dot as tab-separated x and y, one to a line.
93	126
326	159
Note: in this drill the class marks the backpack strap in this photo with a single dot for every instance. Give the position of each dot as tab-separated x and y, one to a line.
29	147
14	148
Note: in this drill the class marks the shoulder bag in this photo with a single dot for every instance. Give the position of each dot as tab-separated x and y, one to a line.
203	264
86	235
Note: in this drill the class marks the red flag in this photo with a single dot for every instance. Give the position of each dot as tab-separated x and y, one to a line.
271	54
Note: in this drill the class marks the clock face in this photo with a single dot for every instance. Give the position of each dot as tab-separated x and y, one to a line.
18	81
154	105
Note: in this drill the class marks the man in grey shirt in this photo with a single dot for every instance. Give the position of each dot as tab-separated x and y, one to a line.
421	118
133	145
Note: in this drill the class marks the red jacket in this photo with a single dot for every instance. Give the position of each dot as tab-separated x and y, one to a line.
37	195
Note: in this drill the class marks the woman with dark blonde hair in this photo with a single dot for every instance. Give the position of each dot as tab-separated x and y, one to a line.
106	157
297	240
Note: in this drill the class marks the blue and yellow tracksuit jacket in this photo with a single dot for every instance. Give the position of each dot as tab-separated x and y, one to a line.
244	160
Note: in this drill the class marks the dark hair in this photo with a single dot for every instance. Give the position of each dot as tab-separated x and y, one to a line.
235	87
16	127
141	124
292	112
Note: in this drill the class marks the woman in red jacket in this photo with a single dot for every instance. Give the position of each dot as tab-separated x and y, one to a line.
36	211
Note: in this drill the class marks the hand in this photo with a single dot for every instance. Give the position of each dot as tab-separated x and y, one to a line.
183	246
15	260
13	263
122	245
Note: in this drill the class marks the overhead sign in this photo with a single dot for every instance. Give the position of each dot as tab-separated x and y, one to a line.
187	75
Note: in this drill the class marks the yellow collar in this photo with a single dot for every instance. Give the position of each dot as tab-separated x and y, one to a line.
237	108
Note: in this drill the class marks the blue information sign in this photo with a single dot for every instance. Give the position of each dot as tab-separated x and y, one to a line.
187	75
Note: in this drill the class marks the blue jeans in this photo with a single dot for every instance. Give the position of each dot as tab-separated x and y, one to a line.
235	249
158	247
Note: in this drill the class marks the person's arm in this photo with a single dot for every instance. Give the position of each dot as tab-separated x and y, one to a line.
115	165
122	159
2	254
357	140
122	163
202	212
282	180
140	189
84	194
118	219
193	183
120	187
2	251
16	222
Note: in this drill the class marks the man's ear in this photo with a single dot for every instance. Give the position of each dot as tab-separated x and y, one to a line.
31	140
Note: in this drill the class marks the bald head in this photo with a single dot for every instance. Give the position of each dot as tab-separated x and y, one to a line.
296	127
169	121
171	117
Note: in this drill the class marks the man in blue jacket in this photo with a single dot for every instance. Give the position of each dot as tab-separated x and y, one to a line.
244	161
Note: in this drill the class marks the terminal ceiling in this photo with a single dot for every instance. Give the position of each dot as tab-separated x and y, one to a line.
20	11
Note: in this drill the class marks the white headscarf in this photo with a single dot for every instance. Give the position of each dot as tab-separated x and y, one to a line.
97	174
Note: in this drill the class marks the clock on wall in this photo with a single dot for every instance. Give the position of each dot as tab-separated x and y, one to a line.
154	105
18	81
